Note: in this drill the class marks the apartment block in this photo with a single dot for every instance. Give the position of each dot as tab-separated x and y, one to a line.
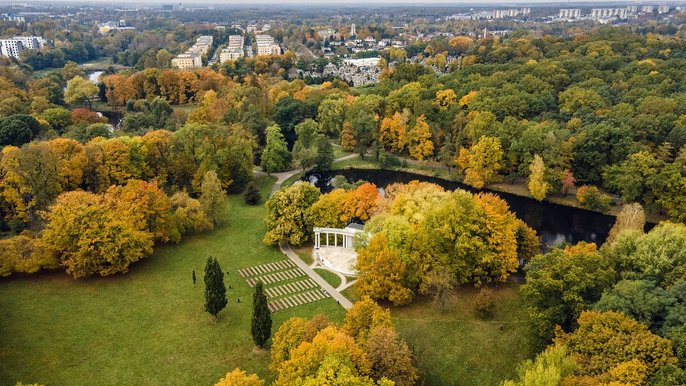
187	61
234	50
266	45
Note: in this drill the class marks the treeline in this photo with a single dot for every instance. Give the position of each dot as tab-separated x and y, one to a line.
615	314
38	173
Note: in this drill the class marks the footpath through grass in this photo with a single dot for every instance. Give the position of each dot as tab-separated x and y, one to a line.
148	326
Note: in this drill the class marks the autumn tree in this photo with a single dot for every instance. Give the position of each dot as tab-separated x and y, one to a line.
393	131
549	368
275	156
631	216
482	162
382	272
239	377
390	357
90	237
215	290
287	218
261	325
420	144
212	197
324	156
606	342
348	141
538	186
80	90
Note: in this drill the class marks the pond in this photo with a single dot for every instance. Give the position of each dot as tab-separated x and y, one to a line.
554	223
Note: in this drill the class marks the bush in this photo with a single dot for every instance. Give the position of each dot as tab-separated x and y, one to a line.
387	159
591	197
252	195
484	303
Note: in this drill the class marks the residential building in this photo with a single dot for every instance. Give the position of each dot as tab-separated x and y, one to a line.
11	48
187	61
601	13
234	50
266	45
570	13
647	9
663	9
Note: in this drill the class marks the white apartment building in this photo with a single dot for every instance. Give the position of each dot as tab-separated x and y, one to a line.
663	9
266	45
570	13
234	50
13	47
647	9
187	61
599	13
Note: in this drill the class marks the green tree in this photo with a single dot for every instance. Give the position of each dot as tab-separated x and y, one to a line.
215	290
261	326
213	197
287	214
325	155
81	90
275	156
561	283
252	195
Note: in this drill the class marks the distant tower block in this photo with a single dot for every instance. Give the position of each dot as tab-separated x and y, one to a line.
353	32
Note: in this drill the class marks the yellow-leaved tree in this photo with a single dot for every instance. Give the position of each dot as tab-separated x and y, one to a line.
421	145
482	162
538	186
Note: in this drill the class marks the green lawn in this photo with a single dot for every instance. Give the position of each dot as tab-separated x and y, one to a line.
304	252
146	327
329	276
454	347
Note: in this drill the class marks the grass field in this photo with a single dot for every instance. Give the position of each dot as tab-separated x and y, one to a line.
329	276
146	327
454	347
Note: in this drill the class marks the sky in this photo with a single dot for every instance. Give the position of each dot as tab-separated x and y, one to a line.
244	3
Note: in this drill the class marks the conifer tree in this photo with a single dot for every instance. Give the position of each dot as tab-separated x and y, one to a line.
261	328
252	195
215	291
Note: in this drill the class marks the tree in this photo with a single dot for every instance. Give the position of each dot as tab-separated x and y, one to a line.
275	156
439	282
549	368
606	342
325	155
390	357
631	216
213	197
393	132
89	236
239	377
482	162
215	291
304	150
568	181
252	194
330	115
420	143
287	218
18	129
80	90
348	142
561	283
538	187
382	272
592	198
261	326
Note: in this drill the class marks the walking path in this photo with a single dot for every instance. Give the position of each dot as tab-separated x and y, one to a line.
283	176
342	300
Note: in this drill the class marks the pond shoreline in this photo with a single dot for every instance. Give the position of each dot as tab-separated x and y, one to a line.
555	222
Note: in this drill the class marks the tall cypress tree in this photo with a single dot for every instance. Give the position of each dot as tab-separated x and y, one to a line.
215	291
261	327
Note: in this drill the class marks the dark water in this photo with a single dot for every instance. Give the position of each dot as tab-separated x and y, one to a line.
554	223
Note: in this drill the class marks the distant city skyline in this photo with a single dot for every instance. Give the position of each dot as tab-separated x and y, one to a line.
347	3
